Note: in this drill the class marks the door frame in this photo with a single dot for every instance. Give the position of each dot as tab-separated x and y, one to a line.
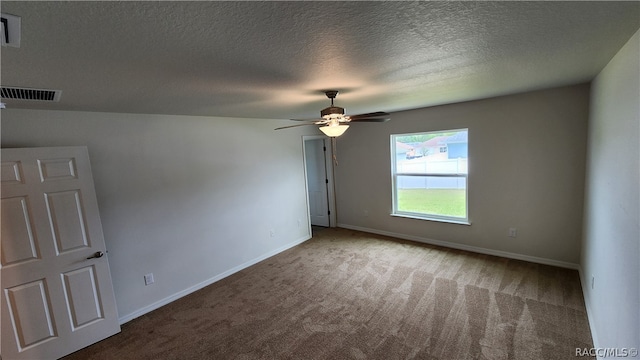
329	169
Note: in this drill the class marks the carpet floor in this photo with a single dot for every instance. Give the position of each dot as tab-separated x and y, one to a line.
351	295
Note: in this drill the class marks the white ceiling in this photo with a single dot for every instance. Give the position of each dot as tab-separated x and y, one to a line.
273	59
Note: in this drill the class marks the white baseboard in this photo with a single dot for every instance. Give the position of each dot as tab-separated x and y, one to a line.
470	248
584	281
208	282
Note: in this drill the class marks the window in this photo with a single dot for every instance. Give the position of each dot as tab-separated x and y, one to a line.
429	175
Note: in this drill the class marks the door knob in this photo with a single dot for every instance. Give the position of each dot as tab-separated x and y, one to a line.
98	254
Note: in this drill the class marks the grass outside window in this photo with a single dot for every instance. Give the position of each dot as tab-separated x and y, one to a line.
444	202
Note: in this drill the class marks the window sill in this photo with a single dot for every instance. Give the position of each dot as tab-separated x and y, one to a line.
437	219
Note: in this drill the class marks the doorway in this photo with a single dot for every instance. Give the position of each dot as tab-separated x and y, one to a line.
319	181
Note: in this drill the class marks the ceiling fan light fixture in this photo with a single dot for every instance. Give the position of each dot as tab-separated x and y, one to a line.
332	111
334	123
334	130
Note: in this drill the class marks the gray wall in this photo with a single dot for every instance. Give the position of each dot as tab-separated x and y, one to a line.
526	170
611	245
190	199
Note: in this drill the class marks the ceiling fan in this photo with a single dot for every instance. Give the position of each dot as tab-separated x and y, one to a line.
334	122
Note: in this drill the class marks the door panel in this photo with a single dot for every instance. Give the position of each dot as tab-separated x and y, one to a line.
82	296
30	313
23	245
57	169
11	172
66	220
56	298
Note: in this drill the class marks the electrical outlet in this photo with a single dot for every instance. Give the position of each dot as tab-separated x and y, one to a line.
513	232
148	279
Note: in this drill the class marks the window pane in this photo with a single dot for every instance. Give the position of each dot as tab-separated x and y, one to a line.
432	195
432	153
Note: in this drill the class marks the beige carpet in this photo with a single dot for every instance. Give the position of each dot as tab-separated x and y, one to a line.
351	295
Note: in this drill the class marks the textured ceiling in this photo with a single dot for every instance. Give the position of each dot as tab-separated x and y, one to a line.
272	59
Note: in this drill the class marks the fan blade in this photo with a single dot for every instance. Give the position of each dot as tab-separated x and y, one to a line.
371	115
379	116
314	119
290	126
371	120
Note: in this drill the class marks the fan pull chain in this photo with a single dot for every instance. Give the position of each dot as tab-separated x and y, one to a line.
334	151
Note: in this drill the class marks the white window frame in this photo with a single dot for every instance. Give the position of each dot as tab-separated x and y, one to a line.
425	216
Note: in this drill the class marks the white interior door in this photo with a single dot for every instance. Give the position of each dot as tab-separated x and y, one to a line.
57	296
317	181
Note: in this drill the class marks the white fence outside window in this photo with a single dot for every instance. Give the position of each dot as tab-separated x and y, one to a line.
427	166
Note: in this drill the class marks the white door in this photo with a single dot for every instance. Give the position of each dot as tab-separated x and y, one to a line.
317	181
57	296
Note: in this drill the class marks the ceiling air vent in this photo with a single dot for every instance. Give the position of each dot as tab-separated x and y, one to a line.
17	93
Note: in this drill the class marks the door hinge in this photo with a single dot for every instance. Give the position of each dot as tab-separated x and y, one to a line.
324	148
326	181
329	212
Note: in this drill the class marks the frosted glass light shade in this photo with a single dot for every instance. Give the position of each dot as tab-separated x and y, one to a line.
334	131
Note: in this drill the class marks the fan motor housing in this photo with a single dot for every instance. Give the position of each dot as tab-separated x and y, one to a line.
332	110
